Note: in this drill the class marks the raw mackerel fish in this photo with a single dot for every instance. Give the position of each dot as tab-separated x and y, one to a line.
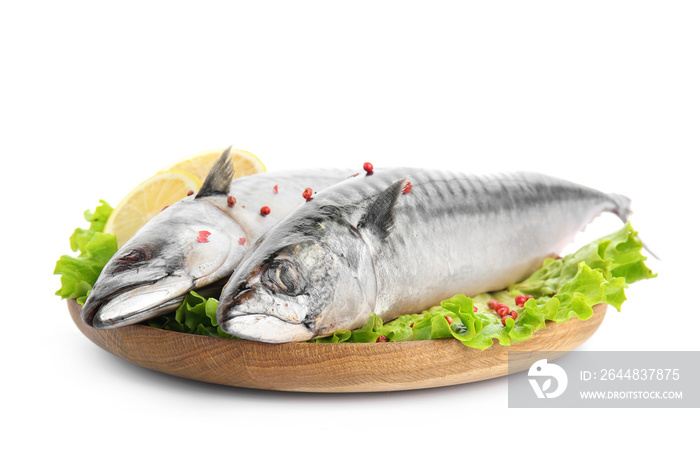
196	243
398	241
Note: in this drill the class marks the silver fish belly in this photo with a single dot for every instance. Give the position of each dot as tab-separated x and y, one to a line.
169	257
397	248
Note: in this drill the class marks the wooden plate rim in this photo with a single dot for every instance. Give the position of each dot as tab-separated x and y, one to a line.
347	367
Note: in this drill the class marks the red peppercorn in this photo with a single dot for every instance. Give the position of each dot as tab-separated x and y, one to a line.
276	189
231	201
502	309
241	241
381	339
203	236
514	315
308	192
369	168
190	192
264	210
476	309
493	304
522	299
411	325
407	187
503	320
448	319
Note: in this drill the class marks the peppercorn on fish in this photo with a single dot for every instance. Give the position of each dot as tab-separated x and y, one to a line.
398	241
196	243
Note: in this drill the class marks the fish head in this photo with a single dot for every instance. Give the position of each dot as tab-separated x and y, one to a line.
189	245
300	284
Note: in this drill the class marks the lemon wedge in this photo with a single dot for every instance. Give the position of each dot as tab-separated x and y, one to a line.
147	200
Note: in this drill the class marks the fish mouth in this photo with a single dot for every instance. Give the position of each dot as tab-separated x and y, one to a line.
265	327
257	323
135	303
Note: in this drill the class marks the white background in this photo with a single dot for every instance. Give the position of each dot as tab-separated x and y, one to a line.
96	97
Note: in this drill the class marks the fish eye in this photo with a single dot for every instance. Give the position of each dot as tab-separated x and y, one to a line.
132	258
283	277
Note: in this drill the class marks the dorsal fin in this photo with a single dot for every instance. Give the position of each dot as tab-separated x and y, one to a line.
379	216
219	177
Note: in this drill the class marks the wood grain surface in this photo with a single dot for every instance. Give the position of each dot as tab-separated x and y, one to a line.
348	367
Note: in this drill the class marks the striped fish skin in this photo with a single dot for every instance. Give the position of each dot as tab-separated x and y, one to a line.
168	258
363	245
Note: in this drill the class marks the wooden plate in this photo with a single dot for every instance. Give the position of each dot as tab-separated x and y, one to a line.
347	367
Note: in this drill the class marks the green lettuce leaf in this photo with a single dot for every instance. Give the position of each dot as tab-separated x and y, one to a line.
79	273
196	315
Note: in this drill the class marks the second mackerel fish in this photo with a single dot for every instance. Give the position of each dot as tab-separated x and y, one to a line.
397	241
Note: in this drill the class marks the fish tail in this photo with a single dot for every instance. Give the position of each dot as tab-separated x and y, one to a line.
622	206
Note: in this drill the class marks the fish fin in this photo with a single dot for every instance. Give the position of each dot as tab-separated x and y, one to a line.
379	216
219	177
